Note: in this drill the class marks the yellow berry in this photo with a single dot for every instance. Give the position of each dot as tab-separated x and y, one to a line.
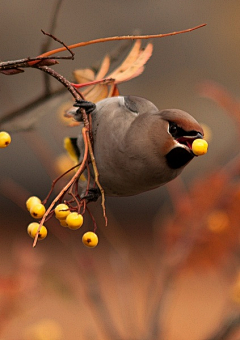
74	220
33	228
32	201
61	211
90	239
63	223
37	210
199	147
5	139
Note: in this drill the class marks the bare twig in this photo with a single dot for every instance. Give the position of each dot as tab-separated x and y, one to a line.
116	38
53	23
62	43
56	180
76	94
96	178
104	81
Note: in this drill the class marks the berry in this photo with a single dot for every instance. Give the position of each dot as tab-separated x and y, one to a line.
199	147
5	139
63	223
33	228
90	239
33	200
37	210
74	220
62	211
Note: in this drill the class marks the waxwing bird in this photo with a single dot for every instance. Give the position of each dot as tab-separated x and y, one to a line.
137	147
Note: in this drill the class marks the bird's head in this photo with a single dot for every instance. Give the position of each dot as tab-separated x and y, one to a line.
182	130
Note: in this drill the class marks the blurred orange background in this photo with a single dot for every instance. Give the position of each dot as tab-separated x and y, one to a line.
167	265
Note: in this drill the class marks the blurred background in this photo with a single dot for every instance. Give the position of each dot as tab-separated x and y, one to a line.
167	265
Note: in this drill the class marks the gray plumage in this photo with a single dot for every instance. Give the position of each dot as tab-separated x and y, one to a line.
137	147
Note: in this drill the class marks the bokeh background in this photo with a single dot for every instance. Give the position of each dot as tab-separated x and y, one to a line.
134	285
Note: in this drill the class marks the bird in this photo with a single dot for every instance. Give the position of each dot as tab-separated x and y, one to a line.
136	146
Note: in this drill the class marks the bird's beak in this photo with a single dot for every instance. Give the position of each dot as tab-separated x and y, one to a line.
186	141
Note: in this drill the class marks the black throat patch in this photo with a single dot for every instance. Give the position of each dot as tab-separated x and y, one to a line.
178	157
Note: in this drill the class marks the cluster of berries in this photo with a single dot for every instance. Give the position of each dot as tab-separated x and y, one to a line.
72	220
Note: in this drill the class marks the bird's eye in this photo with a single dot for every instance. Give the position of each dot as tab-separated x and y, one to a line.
173	129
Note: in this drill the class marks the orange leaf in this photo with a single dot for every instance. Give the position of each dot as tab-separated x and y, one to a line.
103	68
136	68
96	93
130	59
84	75
113	91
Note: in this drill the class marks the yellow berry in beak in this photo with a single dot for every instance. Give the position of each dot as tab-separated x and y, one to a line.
199	147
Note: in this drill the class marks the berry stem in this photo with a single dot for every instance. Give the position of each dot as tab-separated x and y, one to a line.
67	186
96	178
104	81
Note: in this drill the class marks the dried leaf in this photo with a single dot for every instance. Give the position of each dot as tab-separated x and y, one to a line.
113	91
97	92
103	68
130	59
136	68
84	75
131	67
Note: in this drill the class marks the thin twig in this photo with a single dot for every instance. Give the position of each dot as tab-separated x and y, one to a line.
56	180
46	45
53	23
61	42
30	62
26	62
76	94
67	186
125	37
96	178
104	81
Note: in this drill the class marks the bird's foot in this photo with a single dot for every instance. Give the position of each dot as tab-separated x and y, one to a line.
84	104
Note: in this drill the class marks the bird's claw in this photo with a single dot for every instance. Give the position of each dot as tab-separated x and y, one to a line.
86	105
81	104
